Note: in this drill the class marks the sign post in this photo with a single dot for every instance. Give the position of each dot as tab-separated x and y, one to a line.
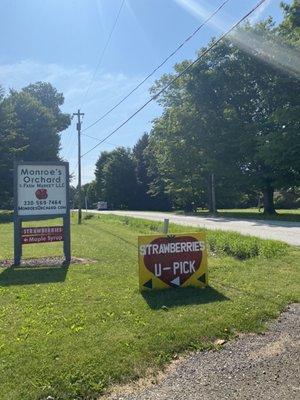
167	261
41	191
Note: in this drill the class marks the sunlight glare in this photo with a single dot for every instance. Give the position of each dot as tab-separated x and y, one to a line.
280	56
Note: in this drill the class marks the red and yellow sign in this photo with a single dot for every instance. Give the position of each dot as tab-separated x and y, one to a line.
167	261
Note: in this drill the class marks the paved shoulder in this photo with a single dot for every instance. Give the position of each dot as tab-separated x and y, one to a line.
288	232
250	367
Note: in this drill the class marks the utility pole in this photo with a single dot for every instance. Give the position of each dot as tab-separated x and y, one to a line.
86	203
78	126
213	193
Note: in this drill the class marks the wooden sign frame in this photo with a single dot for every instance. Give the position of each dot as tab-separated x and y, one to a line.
18	219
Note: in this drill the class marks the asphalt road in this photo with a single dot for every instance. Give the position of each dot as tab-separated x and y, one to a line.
262	367
285	231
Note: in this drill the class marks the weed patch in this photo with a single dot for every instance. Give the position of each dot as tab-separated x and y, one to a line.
220	242
244	247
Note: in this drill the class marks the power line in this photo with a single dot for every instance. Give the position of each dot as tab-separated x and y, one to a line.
96	138
159	66
89	136
73	171
69	146
103	51
71	141
178	76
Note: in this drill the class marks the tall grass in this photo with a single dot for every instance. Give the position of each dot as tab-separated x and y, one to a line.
222	243
244	247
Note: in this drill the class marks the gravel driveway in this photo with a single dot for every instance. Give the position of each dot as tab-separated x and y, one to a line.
250	367
288	232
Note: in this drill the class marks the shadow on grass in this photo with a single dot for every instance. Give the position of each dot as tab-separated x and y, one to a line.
117	236
6	217
33	275
181	297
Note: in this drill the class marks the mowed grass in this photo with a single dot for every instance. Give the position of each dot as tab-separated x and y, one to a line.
71	333
292	215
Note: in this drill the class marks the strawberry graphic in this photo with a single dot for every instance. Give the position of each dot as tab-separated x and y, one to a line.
41	194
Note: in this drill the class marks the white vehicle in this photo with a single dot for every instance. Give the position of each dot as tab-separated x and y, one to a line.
102	205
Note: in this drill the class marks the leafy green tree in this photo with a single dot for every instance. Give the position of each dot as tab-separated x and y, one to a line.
290	26
235	114
90	194
115	178
30	123
73	197
12	145
141	166
100	176
178	167
39	120
146	199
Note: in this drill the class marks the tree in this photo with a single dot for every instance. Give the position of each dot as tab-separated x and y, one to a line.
30	124
146	199
116	179
52	100
290	26
90	194
143	181
100	176
235	114
177	168
12	145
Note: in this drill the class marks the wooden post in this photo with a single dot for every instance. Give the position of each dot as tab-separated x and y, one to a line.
166	226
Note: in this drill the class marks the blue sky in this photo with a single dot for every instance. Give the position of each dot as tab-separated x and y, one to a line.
60	41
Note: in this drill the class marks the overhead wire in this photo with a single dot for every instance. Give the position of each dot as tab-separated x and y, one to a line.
96	138
103	51
159	66
70	143
74	169
154	97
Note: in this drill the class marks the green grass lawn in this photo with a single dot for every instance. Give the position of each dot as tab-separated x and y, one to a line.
71	333
252	213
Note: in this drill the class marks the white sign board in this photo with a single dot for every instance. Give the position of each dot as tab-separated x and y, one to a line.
41	189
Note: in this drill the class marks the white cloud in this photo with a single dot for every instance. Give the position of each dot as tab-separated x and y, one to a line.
20	74
106	90
72	81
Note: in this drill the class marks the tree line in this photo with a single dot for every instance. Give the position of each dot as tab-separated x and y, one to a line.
233	116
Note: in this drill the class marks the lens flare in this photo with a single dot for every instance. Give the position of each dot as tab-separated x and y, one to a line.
269	50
